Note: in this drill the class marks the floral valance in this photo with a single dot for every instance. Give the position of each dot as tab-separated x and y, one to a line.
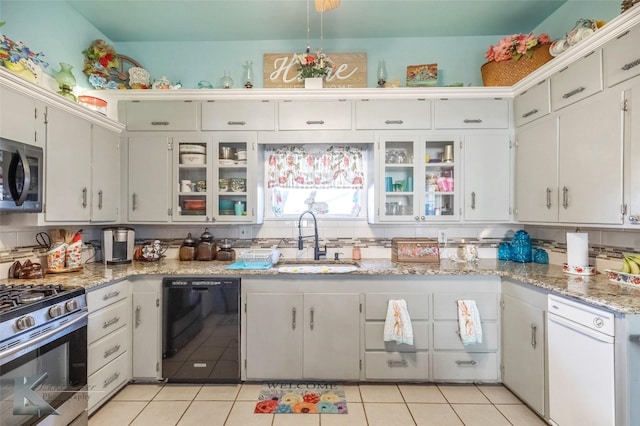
313	167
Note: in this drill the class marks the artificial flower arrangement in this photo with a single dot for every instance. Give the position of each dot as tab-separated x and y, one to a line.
314	65
515	46
17	55
99	59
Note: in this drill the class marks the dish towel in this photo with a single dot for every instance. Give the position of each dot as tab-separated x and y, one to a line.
397	325
469	322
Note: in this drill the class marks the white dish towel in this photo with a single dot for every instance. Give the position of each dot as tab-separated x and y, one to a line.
397	325
469	322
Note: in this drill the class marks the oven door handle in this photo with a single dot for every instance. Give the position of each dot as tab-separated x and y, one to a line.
44	336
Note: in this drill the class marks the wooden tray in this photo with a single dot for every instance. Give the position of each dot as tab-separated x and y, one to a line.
65	270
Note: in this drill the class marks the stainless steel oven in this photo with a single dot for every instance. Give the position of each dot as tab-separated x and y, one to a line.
20	177
43	355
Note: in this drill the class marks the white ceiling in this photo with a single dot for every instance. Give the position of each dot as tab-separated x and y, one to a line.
229	20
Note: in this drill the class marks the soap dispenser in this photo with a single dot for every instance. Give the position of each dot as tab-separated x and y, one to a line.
206	247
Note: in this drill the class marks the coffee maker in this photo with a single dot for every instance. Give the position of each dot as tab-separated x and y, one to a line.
118	245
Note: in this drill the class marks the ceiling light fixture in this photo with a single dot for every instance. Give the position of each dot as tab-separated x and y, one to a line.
324	5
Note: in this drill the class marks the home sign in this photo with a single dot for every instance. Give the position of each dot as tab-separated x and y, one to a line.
280	71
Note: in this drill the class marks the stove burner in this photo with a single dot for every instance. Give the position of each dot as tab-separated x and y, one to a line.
17	295
31	297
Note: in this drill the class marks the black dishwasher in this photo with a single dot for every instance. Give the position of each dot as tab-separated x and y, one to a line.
201	330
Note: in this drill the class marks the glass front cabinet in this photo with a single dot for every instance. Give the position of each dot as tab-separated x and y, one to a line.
419	178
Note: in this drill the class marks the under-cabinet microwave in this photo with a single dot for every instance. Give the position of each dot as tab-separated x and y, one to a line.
20	177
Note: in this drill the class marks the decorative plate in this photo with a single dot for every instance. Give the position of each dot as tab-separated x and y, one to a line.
623	277
579	270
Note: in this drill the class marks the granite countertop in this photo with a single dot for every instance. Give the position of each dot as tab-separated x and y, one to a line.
596	290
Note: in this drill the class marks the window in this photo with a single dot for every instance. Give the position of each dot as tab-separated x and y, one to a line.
329	180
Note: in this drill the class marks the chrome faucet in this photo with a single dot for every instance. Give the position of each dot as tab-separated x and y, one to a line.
316	248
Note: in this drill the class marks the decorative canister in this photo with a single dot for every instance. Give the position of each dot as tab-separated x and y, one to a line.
206	248
188	248
521	247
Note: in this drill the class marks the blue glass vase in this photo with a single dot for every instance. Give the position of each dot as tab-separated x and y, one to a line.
540	256
504	251
521	247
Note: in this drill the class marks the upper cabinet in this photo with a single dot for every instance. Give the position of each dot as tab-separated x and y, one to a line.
377	114
22	118
471	114
161	116
532	104
238	115
622	58
577	81
314	115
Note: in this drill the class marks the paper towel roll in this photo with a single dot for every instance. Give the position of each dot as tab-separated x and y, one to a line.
577	249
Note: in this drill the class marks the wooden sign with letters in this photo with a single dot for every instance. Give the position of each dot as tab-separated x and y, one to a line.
280	71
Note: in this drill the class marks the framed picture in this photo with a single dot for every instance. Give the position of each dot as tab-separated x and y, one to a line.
422	75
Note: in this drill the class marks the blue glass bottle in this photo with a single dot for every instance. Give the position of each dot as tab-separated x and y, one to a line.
504	251
521	247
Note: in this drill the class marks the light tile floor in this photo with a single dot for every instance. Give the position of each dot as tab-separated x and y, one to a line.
368	405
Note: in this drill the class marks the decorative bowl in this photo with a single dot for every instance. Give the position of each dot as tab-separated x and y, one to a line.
192	159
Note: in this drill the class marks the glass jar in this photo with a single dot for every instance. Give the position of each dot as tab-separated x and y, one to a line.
226	253
248	74
226	81
521	247
504	251
187	249
206	248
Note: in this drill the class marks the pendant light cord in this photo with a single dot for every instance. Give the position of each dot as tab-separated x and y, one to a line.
308	27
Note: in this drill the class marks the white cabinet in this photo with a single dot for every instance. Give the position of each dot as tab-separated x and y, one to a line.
487	177
532	104
22	118
577	81
162	116
146	329
400	114
149	177
632	151
524	343
105	175
621	58
471	114
314	115
238	115
302	330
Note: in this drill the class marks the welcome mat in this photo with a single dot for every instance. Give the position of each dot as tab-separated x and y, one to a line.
301	398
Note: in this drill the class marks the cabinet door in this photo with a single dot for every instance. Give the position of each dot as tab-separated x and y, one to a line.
487	177
238	115
471	114
332	336
532	103
632	152
146	335
162	116
275	327
441	164
393	114
68	168
590	161
536	182
621	59
149	177
315	115
523	351
193	160
19	117
398	184
577	81
105	175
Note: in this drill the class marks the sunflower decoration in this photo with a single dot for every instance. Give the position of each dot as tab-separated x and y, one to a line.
99	59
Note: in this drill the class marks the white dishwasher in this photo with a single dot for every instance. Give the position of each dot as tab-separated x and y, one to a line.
581	364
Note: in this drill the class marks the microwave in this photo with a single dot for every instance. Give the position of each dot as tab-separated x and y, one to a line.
20	177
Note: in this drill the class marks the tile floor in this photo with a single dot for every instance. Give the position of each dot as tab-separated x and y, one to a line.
368	405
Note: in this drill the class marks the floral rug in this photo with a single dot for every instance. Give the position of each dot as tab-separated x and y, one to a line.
301	398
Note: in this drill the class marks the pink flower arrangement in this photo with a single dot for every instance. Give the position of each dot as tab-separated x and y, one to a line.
515	46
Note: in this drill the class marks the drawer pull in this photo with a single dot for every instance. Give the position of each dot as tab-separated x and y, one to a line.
134	201
393	122
138	320
312	323
293	318
473	200
565	197
315	121
548	198
573	92
393	364
236	123
111	322
111	295
159	123
534	340
472	362
100	199
627	67
111	351
472	121
530	113
111	379
84	197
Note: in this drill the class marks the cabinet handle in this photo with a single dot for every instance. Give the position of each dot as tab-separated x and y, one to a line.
236	123
393	122
111	379
138	320
311	324
473	200
534	341
402	363
293	318
472	121
84	197
466	362
565	197
159	123
100	199
134	199
111	322
548	198
315	121
627	67
634	220
573	92
111	295
634	338
111	351
530	113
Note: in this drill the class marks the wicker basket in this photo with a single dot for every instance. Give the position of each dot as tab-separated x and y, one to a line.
508	73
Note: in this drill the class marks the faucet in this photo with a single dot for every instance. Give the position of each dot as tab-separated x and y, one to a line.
316	249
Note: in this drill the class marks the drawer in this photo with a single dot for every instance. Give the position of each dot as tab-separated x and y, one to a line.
396	366
471	114
465	366
107	320
103	296
393	114
622	57
577	81
162	115
446	337
445	305
105	381
107	349
532	103
314	115
376	305
374	338
238	115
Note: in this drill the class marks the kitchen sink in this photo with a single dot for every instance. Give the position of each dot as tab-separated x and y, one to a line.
306	266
